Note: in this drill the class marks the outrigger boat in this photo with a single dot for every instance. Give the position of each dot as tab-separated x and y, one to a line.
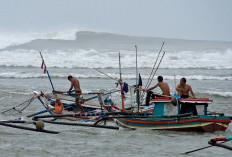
188	115
167	114
68	107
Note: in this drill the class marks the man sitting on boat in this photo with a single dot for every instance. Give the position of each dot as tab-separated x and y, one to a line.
183	89
58	106
163	86
76	85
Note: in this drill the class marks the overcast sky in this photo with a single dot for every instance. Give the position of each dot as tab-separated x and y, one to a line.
186	19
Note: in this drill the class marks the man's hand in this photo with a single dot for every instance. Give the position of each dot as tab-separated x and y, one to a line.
145	90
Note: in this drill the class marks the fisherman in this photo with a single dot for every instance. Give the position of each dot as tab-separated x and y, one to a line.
163	86
58	106
76	85
183	89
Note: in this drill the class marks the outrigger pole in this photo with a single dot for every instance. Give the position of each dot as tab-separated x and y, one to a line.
43	63
213	142
120	81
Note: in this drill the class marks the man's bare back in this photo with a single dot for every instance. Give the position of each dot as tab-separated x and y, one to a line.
76	85
164	87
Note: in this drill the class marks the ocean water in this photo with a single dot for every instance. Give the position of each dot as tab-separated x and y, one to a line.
207	66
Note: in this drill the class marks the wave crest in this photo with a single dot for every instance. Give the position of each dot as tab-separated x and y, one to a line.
92	58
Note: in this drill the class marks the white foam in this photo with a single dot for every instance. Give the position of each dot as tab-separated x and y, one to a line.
202	59
216	93
93	58
22	75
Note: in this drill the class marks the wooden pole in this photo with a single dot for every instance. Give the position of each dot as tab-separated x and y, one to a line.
27	128
120	81
137	88
47	72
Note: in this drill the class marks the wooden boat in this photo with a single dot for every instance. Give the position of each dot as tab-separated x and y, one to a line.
48	103
188	115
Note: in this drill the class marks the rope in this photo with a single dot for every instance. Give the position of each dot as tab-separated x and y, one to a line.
14	108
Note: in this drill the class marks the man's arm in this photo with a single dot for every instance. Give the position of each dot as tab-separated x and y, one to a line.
179	90
70	90
153	87
191	91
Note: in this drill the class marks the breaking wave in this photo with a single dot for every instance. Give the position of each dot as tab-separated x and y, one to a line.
221	94
93	58
17	38
24	75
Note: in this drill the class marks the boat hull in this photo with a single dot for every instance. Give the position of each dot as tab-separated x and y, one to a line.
191	123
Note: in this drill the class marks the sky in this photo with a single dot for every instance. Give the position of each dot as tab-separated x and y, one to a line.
182	19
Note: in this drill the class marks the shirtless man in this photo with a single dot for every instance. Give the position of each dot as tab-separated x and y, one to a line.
183	89
163	86
76	85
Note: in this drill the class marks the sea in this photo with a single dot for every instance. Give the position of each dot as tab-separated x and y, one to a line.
207	66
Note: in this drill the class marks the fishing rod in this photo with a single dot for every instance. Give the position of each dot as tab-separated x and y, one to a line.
155	72
146	86
116	79
45	70
157	68
154	66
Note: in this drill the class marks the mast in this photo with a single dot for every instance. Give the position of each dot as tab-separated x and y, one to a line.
43	62
137	88
120	81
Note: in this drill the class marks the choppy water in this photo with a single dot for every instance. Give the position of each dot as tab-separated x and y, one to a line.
206	65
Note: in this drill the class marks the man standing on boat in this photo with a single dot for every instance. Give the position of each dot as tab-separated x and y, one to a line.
163	86
183	89
76	85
